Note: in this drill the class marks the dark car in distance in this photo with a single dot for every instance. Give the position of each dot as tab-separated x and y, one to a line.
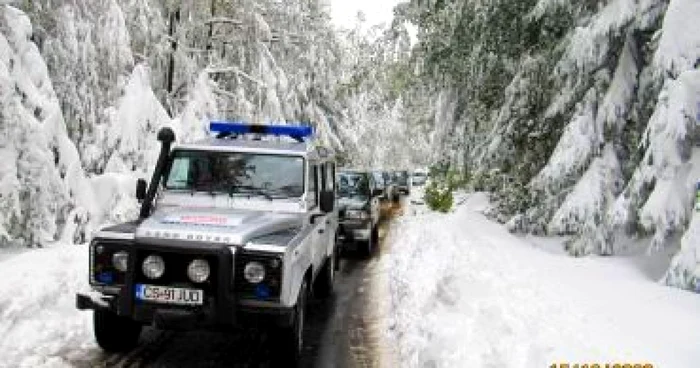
358	209
401	180
382	180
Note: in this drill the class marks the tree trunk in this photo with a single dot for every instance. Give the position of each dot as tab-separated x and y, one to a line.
210	32
174	20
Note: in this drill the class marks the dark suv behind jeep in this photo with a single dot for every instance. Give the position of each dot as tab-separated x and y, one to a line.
358	206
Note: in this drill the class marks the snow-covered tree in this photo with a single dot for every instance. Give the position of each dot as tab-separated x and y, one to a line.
587	109
43	187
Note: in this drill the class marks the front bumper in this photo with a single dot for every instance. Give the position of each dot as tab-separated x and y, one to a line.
209	316
355	230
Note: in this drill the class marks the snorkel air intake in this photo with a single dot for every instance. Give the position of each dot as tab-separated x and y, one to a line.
166	136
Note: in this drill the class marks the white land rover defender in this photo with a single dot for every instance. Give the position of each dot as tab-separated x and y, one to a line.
237	230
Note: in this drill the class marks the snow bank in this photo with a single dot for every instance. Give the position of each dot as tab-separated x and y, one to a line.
39	325
466	293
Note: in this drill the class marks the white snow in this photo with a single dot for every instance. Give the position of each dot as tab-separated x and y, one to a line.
590	196
38	156
679	46
134	123
467	293
617	100
668	207
39	325
581	139
463	292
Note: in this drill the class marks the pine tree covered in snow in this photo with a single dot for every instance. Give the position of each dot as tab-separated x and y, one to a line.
42	183
585	111
123	68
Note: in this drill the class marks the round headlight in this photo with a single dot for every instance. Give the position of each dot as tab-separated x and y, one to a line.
198	270
254	272
120	260
153	266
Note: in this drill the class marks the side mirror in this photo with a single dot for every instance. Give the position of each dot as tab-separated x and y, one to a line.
327	201
141	190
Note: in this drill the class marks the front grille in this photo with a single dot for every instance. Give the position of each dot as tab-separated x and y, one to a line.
175	274
273	276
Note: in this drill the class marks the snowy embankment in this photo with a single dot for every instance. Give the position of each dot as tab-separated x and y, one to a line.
39	325
467	293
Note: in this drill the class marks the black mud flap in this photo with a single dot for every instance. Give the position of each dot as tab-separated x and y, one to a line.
87	302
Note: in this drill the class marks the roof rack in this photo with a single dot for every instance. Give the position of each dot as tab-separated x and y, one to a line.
227	128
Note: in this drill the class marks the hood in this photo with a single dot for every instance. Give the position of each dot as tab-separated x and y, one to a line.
231	226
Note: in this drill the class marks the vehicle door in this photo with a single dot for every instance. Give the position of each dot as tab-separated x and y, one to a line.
332	218
318	227
374	200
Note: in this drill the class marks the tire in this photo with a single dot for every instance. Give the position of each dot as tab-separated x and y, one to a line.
368	245
290	340
337	254
323	286
375	235
114	333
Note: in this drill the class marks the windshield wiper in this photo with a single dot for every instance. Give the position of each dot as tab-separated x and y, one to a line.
249	189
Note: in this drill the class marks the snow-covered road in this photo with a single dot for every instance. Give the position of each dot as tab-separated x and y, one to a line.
462	292
40	327
466	293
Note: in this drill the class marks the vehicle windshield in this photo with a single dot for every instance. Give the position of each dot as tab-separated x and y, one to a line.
353	185
401	177
236	173
379	179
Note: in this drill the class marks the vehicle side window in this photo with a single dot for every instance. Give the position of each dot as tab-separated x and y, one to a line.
313	185
324	178
329	176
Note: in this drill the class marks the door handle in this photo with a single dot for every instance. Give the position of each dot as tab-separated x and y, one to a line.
321	231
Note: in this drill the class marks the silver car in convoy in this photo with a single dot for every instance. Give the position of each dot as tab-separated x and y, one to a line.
233	231
419	178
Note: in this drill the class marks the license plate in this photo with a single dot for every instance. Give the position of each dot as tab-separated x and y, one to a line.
169	295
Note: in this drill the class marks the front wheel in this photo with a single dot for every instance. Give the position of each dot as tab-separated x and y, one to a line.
323	286
369	244
291	339
114	333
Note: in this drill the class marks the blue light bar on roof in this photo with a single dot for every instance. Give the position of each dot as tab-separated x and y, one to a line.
298	132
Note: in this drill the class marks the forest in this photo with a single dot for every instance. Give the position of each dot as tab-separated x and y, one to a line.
578	118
